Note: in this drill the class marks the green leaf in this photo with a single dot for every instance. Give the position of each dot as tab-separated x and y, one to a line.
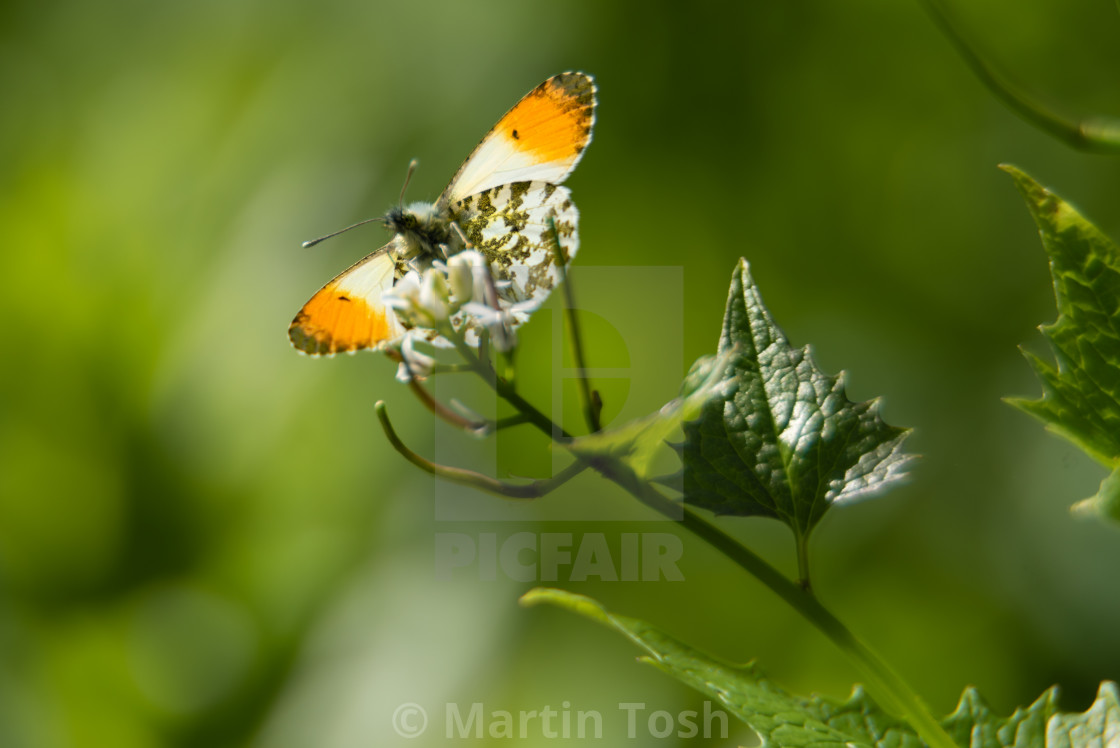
1081	389
778	717
783	440
784	719
1041	724
635	443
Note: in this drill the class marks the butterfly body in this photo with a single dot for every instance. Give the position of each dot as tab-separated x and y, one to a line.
425	230
502	201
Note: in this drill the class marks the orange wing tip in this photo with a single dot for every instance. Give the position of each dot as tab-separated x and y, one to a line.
314	342
333	322
559	114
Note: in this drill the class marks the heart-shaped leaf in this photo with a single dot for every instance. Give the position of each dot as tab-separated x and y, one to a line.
782	440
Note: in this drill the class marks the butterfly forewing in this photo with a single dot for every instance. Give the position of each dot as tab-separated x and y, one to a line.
347	314
541	139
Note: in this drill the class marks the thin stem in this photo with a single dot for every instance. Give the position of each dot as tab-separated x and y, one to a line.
891	690
442	411
1099	134
442	368
484	344
534	416
476	364
515	420
507	368
592	405
802	542
888	687
506	392
533	490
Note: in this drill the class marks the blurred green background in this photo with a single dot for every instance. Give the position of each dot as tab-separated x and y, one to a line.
205	539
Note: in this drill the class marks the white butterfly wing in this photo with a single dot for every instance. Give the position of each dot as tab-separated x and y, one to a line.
348	314
541	139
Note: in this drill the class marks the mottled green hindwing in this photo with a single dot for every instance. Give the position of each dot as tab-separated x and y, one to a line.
510	226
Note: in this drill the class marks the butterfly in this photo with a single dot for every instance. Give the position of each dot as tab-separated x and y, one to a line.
502	202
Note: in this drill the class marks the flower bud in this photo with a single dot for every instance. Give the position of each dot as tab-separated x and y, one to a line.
435	297
466	273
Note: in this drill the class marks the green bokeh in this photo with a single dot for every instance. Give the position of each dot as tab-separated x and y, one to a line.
204	538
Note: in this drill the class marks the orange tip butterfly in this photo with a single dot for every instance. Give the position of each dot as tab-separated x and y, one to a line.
500	203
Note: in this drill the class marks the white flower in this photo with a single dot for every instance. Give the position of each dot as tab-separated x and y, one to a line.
420	301
466	273
500	321
416	365
462	294
404	297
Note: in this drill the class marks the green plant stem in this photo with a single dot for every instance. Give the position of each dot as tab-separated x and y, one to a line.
802	542
442	411
888	687
515	420
533	490
1098	134
507	392
441	368
592	406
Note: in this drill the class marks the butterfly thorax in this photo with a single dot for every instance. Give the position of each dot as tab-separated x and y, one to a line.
424	228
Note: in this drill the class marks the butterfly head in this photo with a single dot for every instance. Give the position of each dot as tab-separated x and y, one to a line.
422	226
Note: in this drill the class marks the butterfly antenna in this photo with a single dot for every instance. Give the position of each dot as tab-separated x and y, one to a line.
313	242
407	178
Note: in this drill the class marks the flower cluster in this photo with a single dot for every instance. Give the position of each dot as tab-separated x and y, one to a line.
456	299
